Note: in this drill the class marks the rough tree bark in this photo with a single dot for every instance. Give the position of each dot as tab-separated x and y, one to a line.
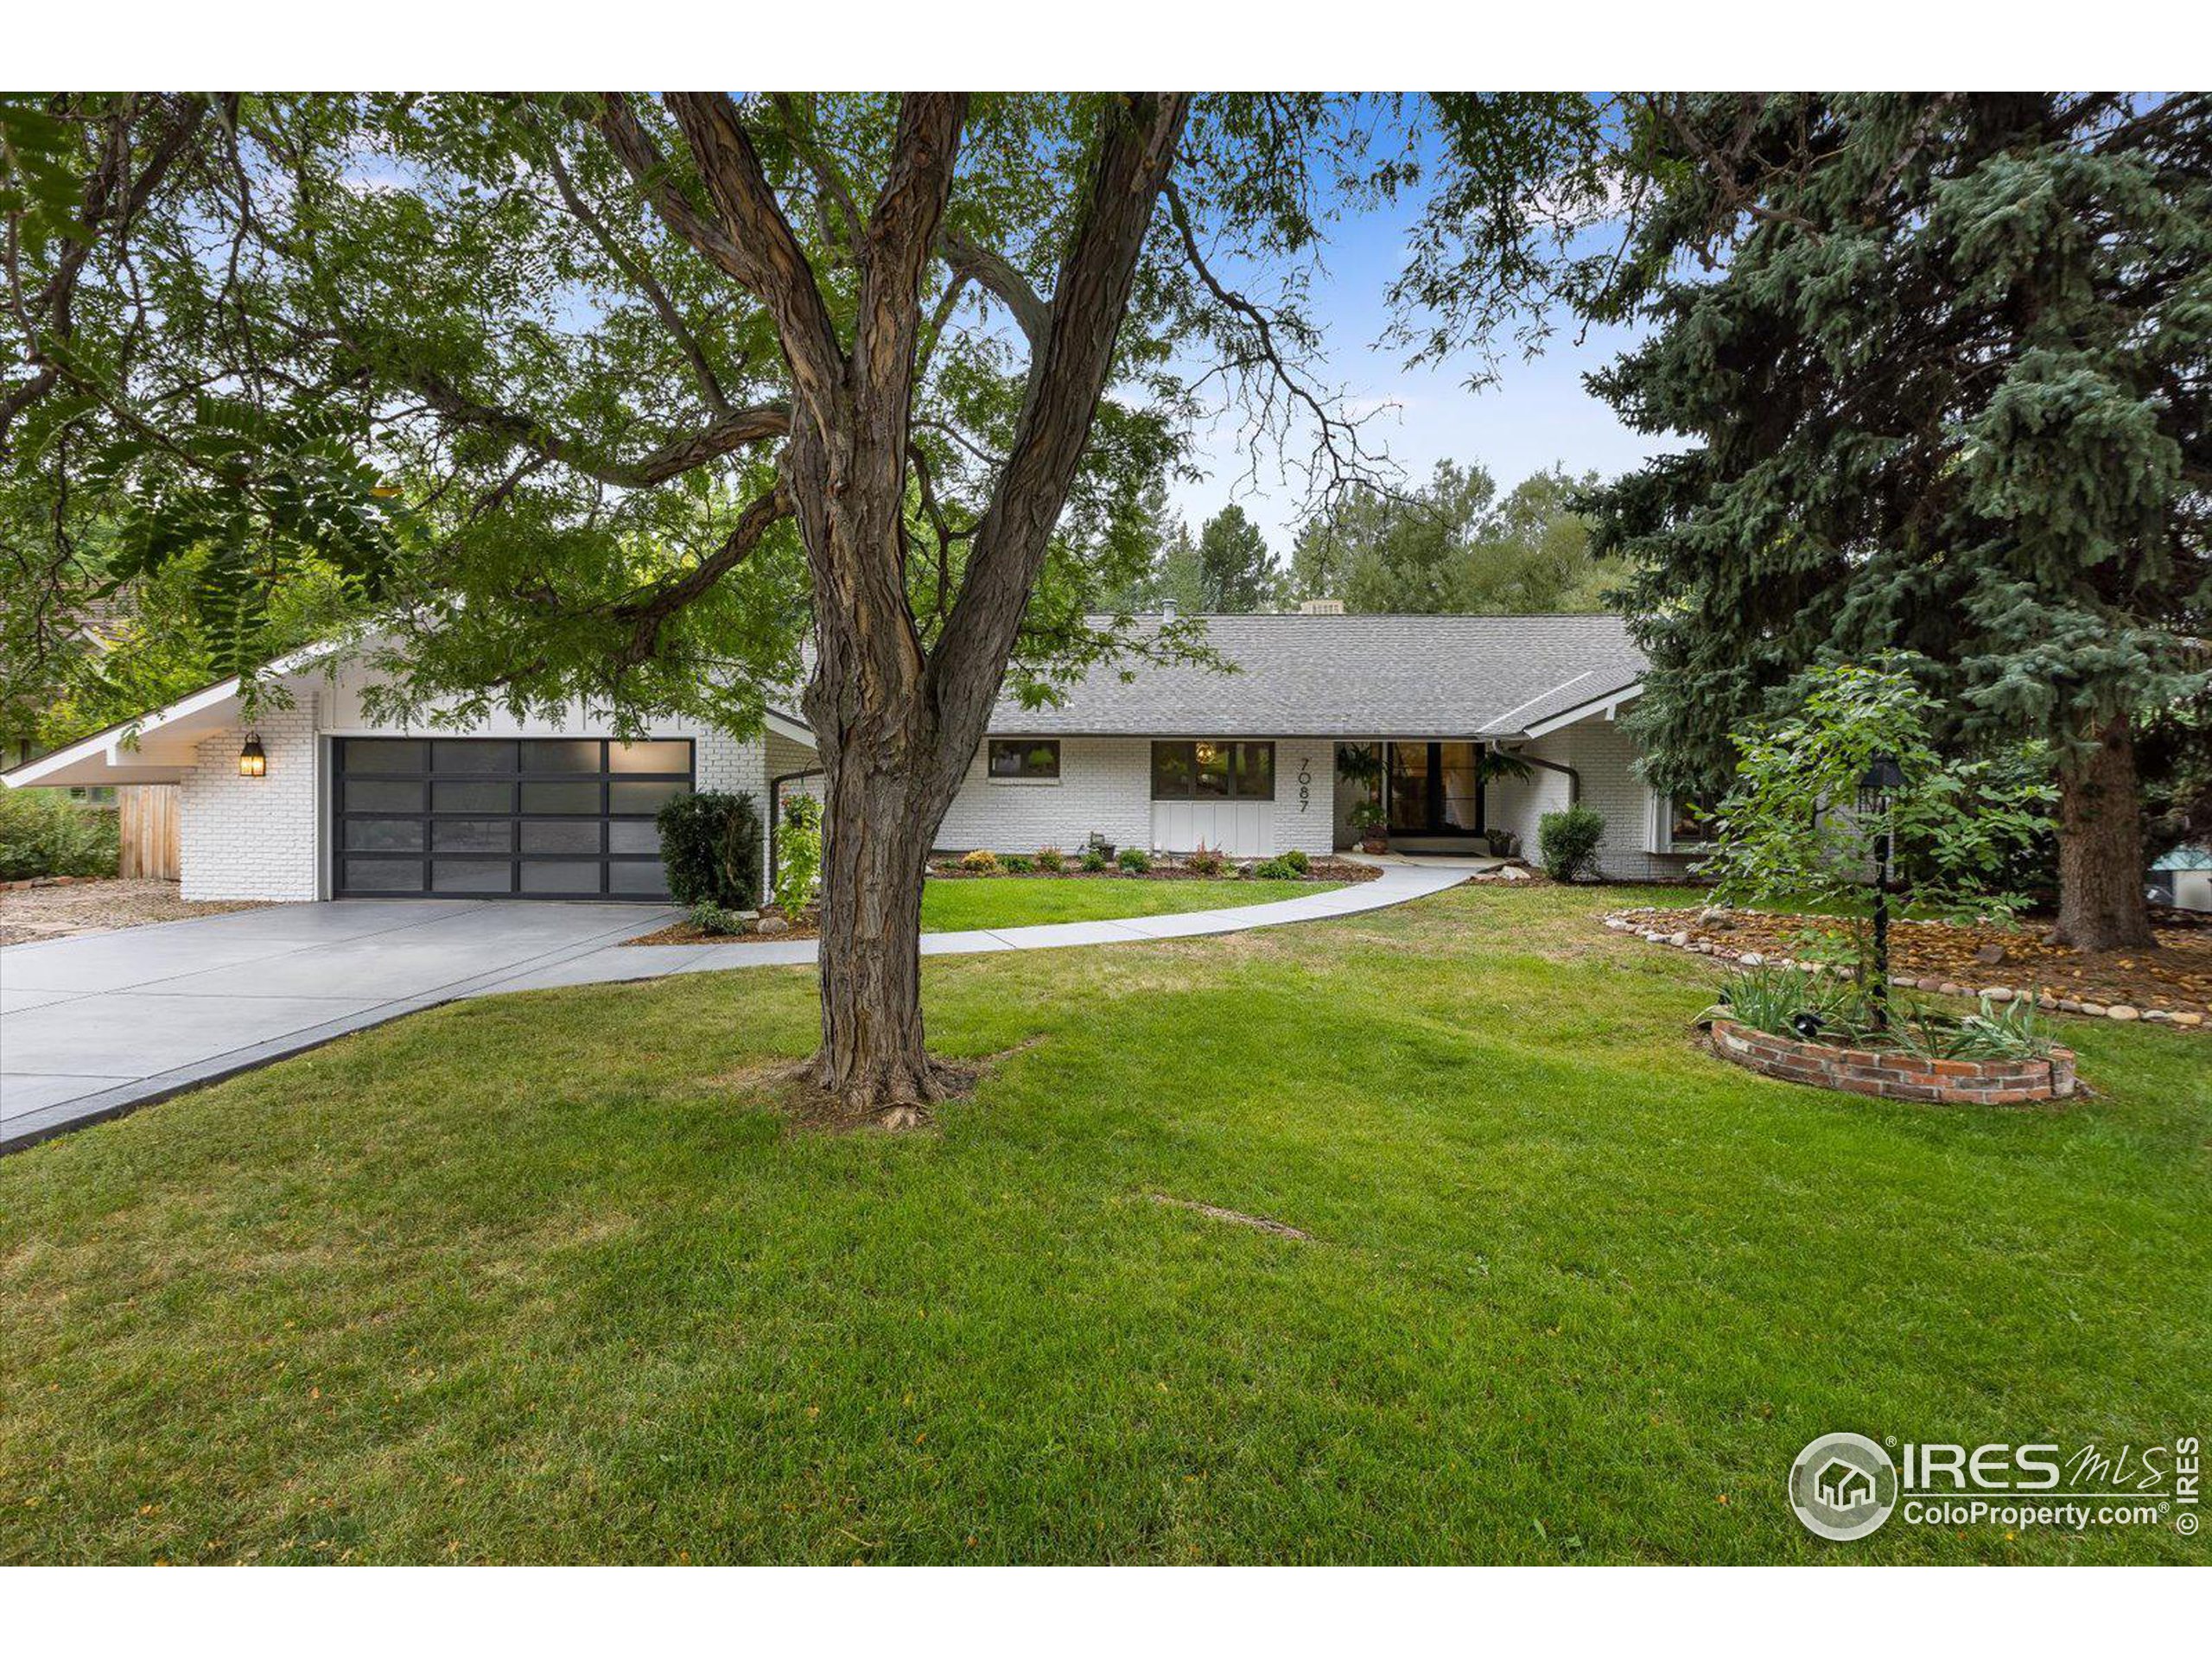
897	724
2101	902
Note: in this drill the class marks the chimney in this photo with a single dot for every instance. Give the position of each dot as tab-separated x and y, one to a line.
1167	610
1320	607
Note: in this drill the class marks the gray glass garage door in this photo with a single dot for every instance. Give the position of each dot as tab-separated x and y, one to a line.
533	818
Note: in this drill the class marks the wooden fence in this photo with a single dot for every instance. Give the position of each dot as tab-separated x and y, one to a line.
146	819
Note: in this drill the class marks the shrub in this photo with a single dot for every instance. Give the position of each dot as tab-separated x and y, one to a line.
981	862
710	918
1567	842
1280	869
1205	860
1135	860
43	832
798	853
1050	860
711	843
1296	859
1018	863
1093	860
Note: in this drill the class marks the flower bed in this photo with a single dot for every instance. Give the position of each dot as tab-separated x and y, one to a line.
1344	871
1896	1076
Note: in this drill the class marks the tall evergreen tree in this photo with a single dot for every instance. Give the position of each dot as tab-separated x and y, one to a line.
1944	362
1236	574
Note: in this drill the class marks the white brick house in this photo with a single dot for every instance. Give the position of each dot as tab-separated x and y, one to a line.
1254	762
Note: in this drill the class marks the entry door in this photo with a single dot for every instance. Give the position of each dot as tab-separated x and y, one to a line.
565	817
1435	789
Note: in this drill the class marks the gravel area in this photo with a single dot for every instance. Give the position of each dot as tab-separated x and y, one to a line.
29	914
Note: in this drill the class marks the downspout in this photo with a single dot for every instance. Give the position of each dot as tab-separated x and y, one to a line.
1574	777
776	812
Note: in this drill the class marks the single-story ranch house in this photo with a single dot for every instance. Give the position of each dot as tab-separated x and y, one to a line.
318	801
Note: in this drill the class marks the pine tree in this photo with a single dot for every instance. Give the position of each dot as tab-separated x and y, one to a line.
1236	573
1943	362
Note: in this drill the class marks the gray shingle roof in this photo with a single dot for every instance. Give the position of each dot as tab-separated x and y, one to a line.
1354	677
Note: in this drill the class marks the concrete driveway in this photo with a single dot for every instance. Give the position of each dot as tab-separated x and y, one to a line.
95	1025
92	1026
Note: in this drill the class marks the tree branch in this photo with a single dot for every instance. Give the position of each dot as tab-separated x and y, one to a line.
1088	301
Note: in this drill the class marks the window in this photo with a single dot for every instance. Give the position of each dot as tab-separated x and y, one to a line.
1686	822
1205	770
1032	760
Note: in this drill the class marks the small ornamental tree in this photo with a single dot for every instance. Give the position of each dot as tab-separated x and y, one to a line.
798	853
1790	833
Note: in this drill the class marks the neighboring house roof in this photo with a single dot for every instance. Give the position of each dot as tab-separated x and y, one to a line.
1442	677
2185	857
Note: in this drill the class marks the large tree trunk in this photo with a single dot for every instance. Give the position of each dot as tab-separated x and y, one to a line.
2100	903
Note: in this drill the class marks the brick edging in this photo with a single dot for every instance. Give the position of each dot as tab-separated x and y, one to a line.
1629	921
1896	1076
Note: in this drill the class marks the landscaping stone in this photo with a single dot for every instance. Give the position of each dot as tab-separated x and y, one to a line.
1930	984
2122	1011
1991	953
774	924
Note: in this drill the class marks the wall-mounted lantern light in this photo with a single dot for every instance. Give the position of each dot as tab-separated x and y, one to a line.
253	760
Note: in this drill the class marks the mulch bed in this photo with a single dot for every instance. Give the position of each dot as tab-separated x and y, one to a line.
808	926
1940	956
56	908
1344	870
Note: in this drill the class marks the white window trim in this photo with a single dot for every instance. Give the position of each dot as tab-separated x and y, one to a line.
1660	827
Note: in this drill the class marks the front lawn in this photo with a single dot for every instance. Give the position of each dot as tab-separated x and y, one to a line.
951	906
538	1278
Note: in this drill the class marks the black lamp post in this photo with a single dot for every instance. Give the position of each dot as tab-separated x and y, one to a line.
1877	792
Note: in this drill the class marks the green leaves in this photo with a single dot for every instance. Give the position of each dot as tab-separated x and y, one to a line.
1793	831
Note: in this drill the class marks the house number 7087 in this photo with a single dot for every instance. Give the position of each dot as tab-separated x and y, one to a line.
1305	782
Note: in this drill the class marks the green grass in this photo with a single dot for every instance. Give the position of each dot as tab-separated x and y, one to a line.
537	1278
1017	900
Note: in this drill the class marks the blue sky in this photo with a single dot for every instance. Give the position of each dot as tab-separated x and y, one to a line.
1537	414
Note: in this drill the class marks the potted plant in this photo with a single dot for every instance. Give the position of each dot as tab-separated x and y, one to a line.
1372	823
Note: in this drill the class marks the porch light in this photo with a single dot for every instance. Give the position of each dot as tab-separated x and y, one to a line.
253	760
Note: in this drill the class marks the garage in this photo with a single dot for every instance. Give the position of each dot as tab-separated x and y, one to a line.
533	818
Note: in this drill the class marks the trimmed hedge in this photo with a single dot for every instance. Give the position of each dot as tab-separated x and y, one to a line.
1567	842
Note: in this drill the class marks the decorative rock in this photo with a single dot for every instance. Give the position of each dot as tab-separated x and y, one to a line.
1678	940
1951	988
1514	872
774	924
1751	959
2096	1008
1904	980
1997	993
2045	1000
1716	916
2189	1019
1932	982
2072	1005
2122	1011
1991	953
2159	1014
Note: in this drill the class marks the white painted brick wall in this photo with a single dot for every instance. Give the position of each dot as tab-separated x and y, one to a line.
252	837
1603	752
264	838
1105	787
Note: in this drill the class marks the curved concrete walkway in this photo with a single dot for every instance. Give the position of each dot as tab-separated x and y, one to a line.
97	1026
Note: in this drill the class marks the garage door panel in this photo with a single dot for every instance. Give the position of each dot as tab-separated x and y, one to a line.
493	817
